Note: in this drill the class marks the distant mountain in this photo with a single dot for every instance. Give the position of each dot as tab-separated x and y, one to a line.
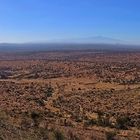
93	40
29	47
97	42
101	39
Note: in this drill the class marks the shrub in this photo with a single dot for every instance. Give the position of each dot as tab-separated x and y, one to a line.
103	120
123	122
110	135
1	138
49	91
35	116
58	135
90	122
40	102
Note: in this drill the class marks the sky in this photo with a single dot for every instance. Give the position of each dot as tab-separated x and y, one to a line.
50	20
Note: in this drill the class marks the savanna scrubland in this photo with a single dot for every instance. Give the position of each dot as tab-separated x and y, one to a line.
72	95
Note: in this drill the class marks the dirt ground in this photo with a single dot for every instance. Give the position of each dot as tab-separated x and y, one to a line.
80	95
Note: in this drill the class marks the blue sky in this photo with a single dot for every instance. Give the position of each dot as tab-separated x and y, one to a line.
48	20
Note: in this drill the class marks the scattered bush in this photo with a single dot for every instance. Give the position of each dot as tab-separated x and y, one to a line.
103	120
49	91
110	135
40	102
58	135
35	116
123	122
90	122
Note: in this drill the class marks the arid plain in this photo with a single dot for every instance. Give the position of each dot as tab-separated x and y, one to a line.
72	95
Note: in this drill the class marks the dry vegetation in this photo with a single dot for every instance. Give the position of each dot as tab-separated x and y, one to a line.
72	95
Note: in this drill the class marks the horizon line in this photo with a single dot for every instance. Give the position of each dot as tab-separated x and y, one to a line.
67	43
